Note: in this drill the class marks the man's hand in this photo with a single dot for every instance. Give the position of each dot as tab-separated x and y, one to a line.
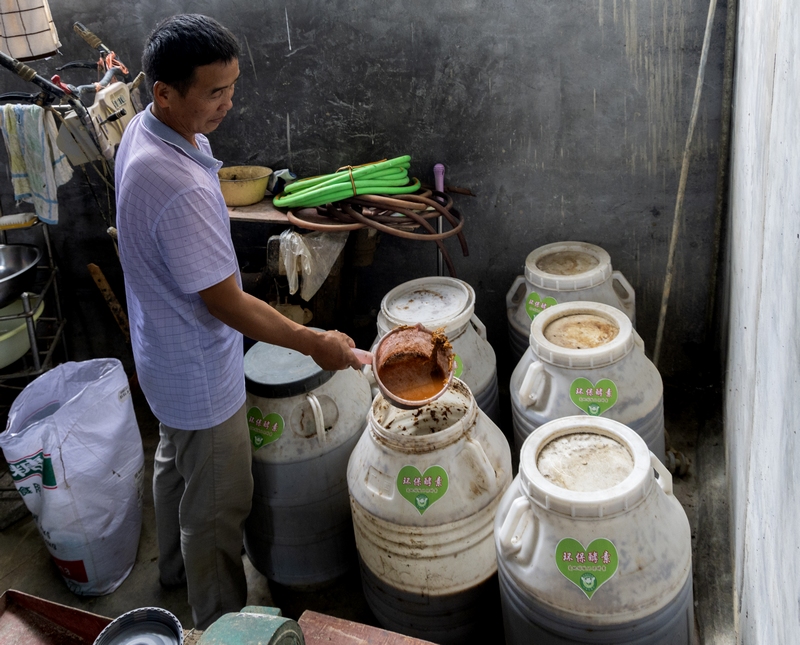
334	351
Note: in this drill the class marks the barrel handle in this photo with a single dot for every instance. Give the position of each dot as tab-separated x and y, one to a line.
516	535
481	458
629	301
512	300
479	326
319	422
664	476
532	386
638	340
367	371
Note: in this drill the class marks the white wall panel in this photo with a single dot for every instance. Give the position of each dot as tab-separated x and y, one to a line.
762	404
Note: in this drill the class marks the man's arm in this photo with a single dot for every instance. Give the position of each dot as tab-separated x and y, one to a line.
258	320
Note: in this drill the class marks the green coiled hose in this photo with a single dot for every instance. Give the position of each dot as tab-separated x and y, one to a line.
388	177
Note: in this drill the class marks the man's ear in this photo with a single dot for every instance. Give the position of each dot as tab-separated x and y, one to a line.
163	94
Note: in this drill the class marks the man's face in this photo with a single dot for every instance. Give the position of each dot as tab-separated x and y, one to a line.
206	102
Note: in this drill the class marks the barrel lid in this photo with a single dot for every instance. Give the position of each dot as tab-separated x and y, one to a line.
435	302
614	464
275	372
142	626
567	266
584	462
585	357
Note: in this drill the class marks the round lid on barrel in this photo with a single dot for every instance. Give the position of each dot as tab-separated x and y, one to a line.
585	461
567	262
581	331
567	266
586	467
433	301
275	372
579	335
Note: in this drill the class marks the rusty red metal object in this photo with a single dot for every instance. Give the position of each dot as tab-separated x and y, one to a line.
29	620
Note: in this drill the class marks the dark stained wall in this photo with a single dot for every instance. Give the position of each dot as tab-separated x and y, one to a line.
566	119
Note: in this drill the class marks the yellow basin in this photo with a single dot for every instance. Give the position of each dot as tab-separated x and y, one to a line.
243	185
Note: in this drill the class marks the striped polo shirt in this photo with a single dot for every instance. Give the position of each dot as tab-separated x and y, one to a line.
174	241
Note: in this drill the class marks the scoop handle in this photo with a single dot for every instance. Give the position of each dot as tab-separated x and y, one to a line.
363	356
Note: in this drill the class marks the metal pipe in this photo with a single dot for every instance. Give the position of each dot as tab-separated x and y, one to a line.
438	175
53	269
30	75
676	222
26	306
720	206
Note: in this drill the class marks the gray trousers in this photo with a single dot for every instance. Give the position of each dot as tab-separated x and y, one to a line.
203	489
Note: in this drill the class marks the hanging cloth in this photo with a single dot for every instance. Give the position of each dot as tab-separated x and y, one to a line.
38	167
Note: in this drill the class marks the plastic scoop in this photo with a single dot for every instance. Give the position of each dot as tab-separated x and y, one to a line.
412	366
363	356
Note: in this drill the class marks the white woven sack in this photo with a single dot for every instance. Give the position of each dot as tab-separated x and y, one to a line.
75	453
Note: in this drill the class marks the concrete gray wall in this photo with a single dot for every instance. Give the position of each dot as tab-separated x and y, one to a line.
762	408
567	121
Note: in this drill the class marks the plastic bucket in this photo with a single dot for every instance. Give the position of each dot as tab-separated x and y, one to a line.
585	357
563	272
592	545
304	422
424	488
448	304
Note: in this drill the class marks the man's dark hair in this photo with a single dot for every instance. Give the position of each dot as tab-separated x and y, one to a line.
182	43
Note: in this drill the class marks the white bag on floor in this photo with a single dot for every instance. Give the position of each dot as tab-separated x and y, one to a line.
75	454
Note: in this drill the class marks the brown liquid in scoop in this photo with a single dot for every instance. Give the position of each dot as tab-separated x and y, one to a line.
413	378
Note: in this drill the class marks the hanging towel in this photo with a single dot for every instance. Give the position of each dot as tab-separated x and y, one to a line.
38	167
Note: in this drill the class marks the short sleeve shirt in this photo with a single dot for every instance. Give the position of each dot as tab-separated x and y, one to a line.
174	241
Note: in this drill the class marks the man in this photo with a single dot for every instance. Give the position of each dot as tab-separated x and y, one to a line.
188	312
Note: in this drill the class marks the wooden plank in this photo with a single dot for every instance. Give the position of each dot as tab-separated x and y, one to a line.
262	211
319	629
111	300
265	212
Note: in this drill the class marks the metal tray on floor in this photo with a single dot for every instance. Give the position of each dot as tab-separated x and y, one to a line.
29	620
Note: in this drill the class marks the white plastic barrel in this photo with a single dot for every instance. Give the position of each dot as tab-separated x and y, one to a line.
304	423
585	357
563	272
592	545
424	488
448	304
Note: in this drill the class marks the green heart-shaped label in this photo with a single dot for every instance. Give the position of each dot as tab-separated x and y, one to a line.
264	428
459	367
588	568
422	489
593	398
535	304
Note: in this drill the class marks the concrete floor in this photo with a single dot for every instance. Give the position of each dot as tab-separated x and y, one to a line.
694	427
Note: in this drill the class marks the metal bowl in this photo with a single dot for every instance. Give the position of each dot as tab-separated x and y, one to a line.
17	270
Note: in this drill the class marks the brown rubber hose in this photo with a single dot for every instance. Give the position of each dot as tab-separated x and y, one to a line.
422	222
391	215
